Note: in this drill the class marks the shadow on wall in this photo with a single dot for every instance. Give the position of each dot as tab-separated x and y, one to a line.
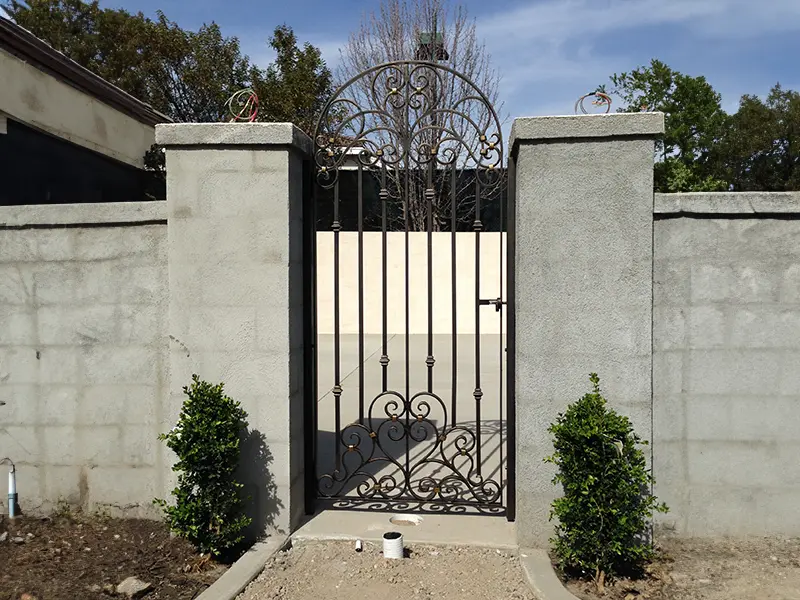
262	504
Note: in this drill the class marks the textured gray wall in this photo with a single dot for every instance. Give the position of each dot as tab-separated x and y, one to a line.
583	287
234	197
727	362
83	354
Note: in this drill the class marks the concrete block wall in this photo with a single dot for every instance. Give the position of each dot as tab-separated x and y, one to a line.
83	292
689	311
582	289
234	200
726	334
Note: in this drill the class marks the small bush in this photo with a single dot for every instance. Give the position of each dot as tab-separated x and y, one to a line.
607	505
208	509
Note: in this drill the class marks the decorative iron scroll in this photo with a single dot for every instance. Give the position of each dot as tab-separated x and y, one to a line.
243	106
395	115
599	99
449	453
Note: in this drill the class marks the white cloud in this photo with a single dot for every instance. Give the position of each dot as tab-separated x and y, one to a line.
550	52
559	20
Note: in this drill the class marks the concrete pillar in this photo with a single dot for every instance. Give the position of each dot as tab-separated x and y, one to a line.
235	229
583	255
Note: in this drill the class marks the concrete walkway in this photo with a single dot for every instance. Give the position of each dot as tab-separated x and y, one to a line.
447	530
438	407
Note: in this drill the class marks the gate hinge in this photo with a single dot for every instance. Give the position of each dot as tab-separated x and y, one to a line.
497	302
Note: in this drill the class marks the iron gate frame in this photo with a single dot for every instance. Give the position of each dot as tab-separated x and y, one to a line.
312	170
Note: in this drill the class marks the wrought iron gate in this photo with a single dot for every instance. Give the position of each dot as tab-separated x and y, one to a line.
409	155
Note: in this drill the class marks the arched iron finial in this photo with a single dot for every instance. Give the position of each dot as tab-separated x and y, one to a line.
600	99
243	106
401	120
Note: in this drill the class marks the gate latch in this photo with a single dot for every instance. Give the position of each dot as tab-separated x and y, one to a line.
498	303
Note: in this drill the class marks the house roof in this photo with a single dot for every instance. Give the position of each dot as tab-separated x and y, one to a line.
24	45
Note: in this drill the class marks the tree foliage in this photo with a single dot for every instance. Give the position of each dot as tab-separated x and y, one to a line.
704	149
187	75
761	146
695	122
296	85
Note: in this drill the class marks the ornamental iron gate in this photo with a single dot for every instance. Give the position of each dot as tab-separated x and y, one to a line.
411	412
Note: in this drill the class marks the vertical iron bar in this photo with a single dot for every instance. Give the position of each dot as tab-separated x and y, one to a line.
501	297
454	228
310	336
384	196
360	295
407	200
477	226
511	345
337	385
430	361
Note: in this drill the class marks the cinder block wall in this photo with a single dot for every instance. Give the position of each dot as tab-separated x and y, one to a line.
83	354
726	410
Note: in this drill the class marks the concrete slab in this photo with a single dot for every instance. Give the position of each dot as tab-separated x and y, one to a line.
447	530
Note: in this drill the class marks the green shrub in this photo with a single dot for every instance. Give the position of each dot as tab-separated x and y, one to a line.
208	509
604	515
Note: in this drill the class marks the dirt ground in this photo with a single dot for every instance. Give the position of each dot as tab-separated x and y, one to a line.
69	558
713	569
334	571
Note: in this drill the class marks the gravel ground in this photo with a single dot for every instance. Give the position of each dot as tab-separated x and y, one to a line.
712	569
728	569
334	571
688	569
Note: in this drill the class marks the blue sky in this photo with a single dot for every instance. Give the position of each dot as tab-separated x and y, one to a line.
549	52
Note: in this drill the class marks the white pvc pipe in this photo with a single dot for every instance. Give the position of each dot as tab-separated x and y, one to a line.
12	490
393	545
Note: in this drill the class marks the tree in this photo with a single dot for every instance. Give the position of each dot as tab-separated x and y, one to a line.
695	122
761	146
444	116
191	75
295	87
107	42
187	75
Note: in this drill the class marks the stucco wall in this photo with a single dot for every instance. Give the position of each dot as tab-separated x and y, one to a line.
727	362
582	240
42	101
237	291
83	354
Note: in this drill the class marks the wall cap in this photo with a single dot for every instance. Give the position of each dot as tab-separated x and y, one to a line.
233	134
612	125
727	203
60	215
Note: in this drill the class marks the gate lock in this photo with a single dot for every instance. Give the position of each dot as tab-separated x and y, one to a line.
498	303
